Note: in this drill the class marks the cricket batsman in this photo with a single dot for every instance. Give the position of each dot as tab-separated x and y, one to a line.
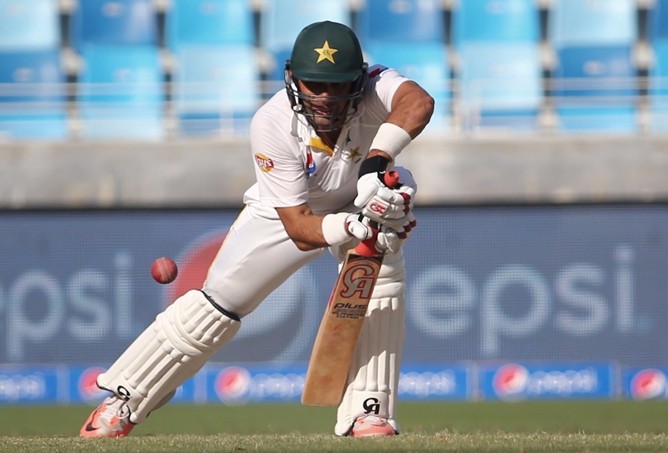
320	147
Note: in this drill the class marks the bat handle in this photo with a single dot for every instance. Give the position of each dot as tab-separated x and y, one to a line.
368	246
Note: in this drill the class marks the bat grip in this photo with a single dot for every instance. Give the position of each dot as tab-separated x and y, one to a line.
368	246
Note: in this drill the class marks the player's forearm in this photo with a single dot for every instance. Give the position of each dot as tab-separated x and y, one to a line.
308	234
303	227
334	229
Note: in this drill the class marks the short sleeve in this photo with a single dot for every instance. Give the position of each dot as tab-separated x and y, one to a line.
279	167
383	83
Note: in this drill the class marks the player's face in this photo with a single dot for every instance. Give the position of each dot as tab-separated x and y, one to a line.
326	101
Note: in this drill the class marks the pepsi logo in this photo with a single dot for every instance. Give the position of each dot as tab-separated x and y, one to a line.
87	385
648	384
232	383
510	380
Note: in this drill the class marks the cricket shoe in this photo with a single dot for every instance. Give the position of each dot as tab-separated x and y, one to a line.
110	419
372	426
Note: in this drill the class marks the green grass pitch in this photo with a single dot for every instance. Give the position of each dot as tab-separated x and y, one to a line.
588	426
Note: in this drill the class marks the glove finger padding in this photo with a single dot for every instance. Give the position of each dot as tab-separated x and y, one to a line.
367	186
402	226
391	239
407	185
358	226
388	240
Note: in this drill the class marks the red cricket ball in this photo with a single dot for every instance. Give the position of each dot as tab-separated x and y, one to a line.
164	270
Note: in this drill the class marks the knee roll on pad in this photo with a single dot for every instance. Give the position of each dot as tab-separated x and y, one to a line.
170	351
373	379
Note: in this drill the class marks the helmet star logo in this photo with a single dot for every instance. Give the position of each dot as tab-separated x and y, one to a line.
326	53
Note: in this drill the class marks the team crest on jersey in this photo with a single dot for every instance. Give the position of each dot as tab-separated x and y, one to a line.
265	163
351	153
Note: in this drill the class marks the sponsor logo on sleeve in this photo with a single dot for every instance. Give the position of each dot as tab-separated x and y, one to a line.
264	162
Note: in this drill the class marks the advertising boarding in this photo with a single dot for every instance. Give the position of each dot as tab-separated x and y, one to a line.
557	285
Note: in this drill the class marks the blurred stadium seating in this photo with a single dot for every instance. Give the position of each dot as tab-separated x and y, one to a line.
496	20
29	25
32	95
216	89
117	22
280	21
120	94
593	23
401	21
409	35
658	76
594	82
216	74
32	90
499	75
494	66
595	89
208	22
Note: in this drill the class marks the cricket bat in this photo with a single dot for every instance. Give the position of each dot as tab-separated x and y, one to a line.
342	322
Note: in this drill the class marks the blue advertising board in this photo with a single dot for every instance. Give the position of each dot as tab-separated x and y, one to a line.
645	383
437	382
219	383
558	284
30	384
529	381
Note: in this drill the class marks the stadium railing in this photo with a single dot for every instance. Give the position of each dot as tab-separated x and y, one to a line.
636	105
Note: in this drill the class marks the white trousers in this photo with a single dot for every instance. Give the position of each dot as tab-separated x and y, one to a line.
256	257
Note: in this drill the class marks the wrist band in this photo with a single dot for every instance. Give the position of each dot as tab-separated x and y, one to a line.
391	139
334	228
375	164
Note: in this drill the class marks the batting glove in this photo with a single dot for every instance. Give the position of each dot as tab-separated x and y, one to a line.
382	204
388	240
358	226
402	226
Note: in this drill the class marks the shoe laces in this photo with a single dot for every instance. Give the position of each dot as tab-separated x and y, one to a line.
116	411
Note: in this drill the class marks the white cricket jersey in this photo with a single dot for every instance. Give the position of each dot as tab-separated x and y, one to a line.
293	166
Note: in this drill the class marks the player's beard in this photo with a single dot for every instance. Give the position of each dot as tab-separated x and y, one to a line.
327	118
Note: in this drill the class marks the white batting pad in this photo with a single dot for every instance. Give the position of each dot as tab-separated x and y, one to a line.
373	379
169	352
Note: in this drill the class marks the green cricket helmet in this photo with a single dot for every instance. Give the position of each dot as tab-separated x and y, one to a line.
326	52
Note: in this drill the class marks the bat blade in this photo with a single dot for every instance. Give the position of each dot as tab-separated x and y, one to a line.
339	330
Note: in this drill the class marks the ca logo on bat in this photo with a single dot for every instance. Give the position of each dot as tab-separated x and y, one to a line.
359	280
